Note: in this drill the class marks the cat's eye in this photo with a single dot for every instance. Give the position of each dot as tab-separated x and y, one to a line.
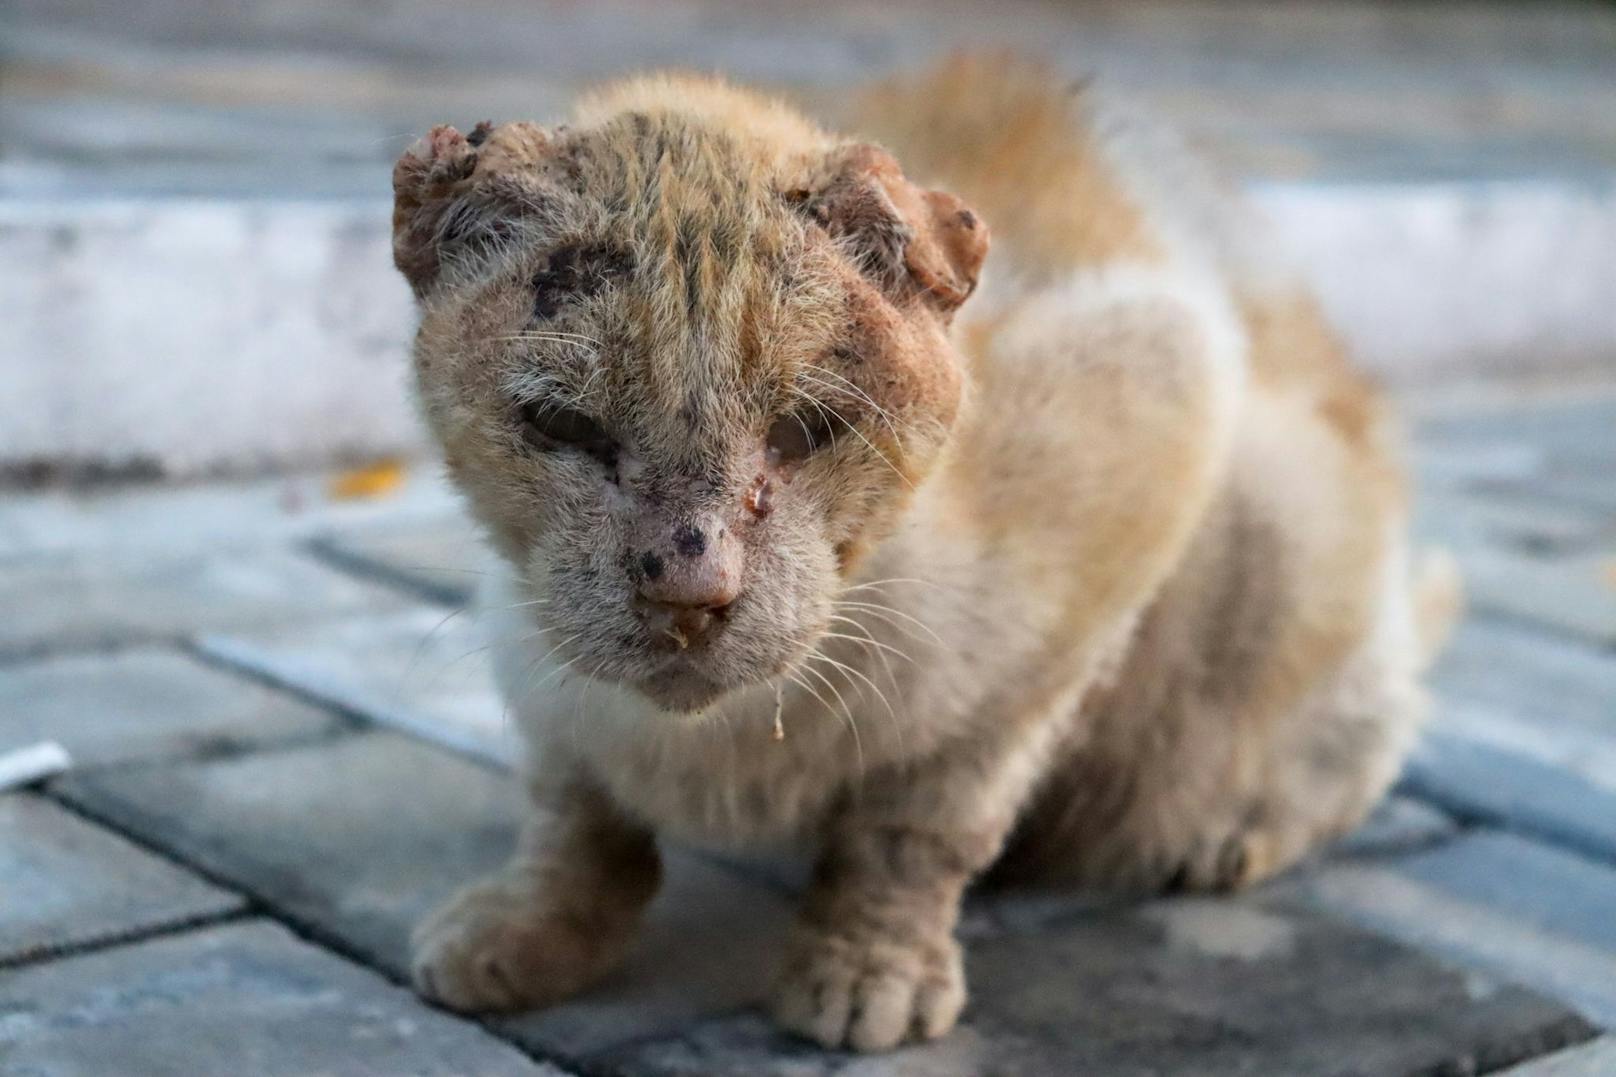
553	425
797	436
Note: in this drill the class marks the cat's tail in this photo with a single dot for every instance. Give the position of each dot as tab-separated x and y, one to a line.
1438	601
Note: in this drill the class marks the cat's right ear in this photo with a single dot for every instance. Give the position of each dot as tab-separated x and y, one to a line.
909	239
456	193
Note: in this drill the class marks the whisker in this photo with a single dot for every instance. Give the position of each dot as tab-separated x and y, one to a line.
527	690
420	648
868	443
460	569
578	711
847	712
892	717
886	666
887	614
857	393
865	640
890	579
852	386
850	672
825	409
550	334
830	687
806	687
547	678
514	606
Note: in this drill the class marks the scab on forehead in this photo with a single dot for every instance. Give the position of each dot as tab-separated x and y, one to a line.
576	271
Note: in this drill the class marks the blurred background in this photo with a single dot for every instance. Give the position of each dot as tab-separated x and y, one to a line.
231	580
193	195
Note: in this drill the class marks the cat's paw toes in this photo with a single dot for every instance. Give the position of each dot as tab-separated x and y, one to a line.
493	947
869	996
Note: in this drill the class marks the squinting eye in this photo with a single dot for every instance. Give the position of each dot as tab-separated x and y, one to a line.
799	435
556	425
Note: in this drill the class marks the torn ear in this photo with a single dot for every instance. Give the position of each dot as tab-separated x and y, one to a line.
451	189
905	236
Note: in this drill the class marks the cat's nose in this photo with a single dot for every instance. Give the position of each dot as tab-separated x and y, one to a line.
687	586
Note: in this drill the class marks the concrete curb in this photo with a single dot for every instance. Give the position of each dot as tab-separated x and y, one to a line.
1437	280
182	336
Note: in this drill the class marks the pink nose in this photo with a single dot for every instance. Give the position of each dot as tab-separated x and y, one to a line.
686	589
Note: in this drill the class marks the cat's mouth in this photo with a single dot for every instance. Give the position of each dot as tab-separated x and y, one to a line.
681	684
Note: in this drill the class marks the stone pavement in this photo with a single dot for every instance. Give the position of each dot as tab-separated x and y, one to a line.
286	750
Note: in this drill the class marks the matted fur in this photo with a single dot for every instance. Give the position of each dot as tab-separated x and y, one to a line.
1102	578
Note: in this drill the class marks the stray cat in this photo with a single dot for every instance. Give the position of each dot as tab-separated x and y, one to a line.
1099	577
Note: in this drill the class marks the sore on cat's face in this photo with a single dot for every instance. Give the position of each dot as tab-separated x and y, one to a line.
683	387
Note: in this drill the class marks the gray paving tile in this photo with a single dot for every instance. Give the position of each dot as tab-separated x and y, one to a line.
1190	986
1590	487
1524	692
1539	886
1570	434
424	670
68	883
359	838
78	601
1484	918
1572	594
1397	825
145	704
1447	469
1512	668
1512	791
1594	1059
242	998
1510	462
441	558
1521	522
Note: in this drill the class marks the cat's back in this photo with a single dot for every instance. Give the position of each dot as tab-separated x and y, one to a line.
1076	181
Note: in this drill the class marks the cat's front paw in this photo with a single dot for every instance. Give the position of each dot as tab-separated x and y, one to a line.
497	945
869	994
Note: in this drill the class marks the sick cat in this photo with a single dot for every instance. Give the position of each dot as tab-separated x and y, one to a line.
1098	576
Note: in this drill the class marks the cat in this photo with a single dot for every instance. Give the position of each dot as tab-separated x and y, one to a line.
1086	562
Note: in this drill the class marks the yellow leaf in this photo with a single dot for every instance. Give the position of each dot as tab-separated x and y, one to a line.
371	481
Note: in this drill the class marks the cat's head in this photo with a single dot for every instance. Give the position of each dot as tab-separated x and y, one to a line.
684	380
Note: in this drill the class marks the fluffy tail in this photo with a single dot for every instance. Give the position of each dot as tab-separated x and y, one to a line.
1438	601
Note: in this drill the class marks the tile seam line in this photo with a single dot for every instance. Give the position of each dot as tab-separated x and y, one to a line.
1473	817
325	548
1603	645
257	905
105	822
116	940
221	651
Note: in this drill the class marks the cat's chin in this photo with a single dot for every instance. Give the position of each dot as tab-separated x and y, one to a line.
681	690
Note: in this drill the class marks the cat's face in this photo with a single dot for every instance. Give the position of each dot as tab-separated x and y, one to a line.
682	390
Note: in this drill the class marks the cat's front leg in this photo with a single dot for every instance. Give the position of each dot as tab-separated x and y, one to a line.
556	918
872	961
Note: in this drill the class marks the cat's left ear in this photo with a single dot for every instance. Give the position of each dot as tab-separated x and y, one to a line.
905	237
